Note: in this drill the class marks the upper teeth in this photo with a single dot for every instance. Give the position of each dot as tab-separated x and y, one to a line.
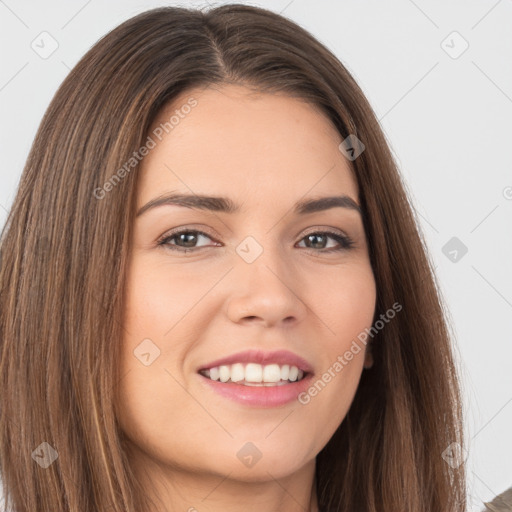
253	372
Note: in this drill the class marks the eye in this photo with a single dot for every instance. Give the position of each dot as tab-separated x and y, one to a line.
320	238
187	237
185	240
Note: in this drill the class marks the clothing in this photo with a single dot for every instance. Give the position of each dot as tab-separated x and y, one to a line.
502	503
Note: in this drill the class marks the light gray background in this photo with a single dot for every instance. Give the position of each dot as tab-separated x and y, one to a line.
447	119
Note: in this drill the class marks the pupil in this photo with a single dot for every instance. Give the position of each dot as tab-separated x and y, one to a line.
184	238
315	237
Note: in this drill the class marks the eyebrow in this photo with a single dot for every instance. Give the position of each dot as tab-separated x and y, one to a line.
226	205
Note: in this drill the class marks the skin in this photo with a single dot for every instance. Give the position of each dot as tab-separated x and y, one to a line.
265	152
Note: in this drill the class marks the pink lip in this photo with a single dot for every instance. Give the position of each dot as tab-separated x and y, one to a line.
258	356
259	396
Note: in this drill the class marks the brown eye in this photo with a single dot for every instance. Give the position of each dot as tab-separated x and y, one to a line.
185	240
318	240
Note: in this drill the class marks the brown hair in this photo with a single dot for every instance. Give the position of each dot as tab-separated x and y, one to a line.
64	254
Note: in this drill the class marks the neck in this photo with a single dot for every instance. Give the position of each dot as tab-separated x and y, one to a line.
176	489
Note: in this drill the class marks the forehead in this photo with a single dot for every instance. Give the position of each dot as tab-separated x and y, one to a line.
230	140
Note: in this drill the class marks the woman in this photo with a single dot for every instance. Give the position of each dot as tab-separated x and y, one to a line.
214	292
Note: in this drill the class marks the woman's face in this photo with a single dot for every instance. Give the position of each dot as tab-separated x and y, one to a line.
264	283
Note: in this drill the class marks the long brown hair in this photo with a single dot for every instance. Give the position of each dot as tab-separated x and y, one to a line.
64	252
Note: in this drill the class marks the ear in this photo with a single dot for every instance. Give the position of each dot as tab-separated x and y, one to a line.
368	357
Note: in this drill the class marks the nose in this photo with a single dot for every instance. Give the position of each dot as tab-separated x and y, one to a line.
267	291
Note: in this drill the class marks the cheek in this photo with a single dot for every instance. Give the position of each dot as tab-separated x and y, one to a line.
345	306
149	394
159	298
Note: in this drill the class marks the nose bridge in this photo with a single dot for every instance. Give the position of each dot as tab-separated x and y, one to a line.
264	285
261	255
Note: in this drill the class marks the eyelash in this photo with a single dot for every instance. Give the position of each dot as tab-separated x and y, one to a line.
345	242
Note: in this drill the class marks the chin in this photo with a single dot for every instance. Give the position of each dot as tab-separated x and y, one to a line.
255	461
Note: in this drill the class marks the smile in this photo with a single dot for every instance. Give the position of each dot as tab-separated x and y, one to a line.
254	374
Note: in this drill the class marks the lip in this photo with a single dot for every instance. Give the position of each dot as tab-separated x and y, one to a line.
258	396
262	357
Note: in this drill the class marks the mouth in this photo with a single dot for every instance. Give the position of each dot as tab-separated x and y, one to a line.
254	374
258	379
